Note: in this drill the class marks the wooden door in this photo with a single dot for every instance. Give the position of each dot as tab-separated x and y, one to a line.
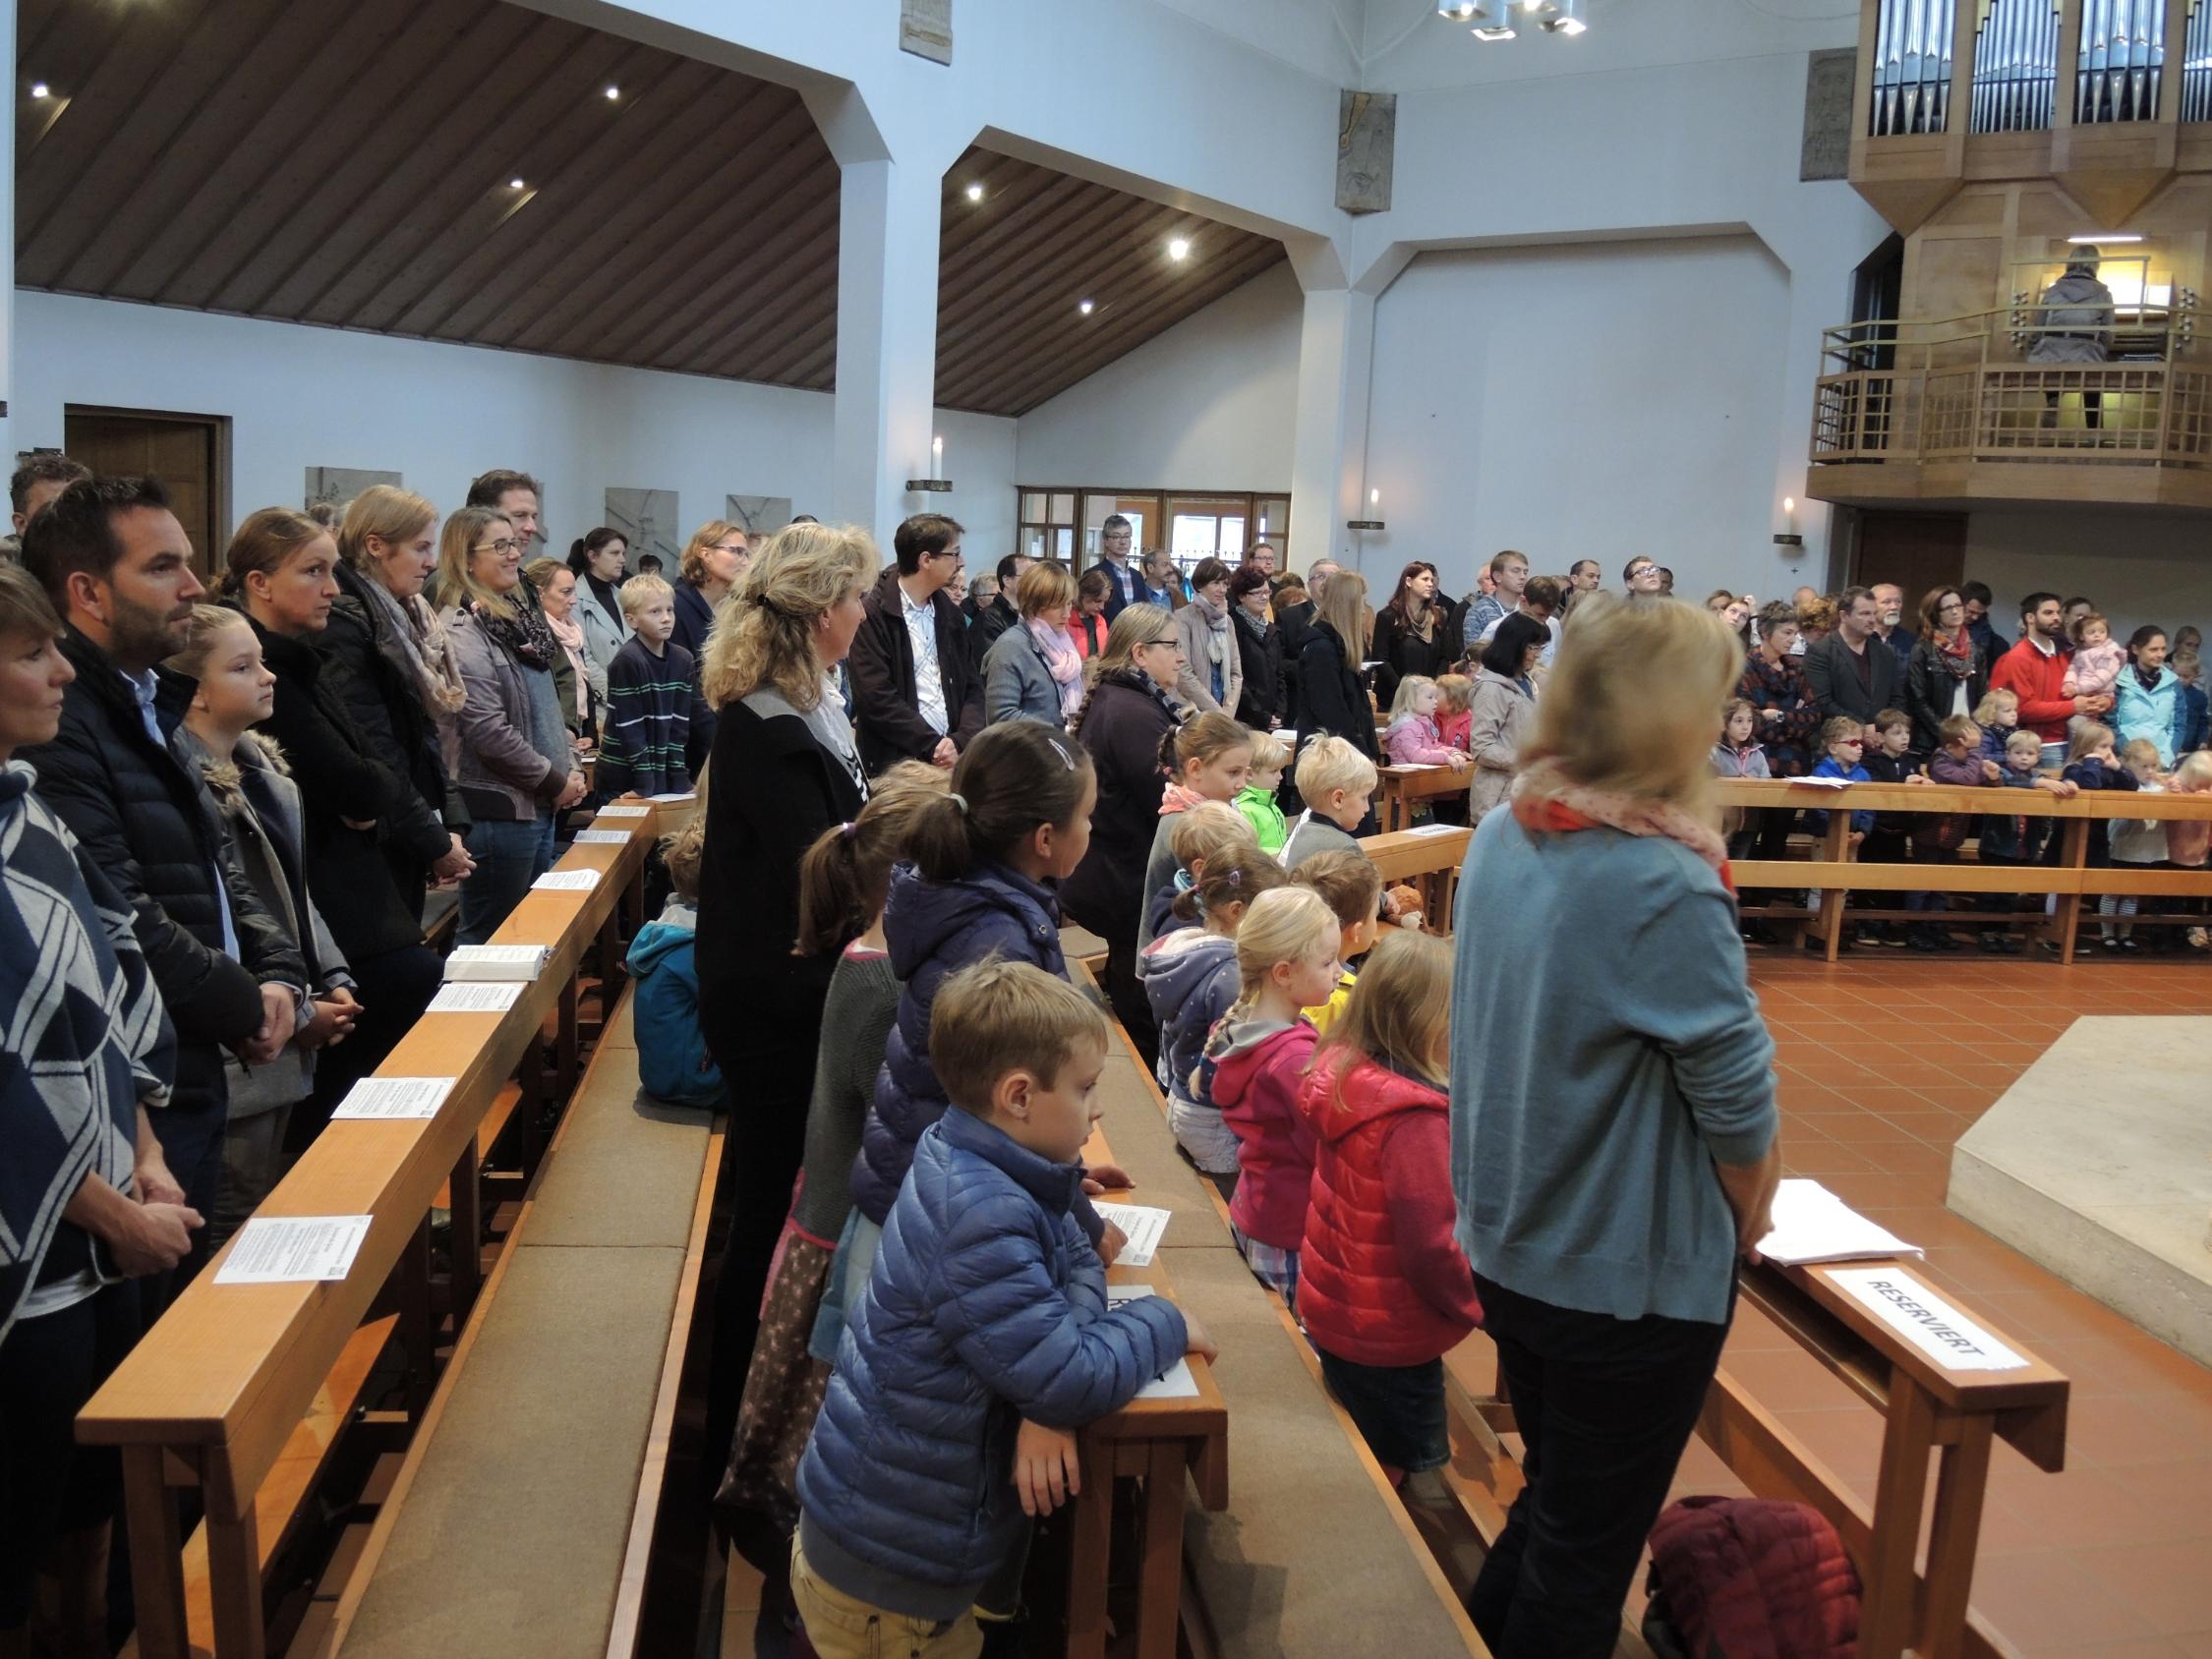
1915	551
189	453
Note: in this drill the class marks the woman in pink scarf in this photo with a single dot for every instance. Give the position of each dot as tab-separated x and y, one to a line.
557	595
1035	673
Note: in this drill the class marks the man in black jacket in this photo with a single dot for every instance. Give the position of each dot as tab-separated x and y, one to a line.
118	566
915	693
1851	671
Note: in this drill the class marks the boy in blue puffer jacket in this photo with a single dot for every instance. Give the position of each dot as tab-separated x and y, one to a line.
673	1061
984	1340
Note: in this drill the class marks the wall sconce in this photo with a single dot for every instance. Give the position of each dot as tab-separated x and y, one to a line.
1788	538
1374	509
937	484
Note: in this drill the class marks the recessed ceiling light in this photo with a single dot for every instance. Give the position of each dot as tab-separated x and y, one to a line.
515	183
38	89
614	92
1179	248
975	193
1086	308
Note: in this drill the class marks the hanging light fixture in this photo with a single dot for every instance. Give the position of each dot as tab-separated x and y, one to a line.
1568	21
1493	22
1457	11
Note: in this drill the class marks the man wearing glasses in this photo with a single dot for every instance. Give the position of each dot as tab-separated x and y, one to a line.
915	693
1124	586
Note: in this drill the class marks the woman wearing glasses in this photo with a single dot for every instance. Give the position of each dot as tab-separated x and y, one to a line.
714	563
514	766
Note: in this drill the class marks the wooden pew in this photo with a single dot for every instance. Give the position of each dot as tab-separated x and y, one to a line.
1836	872
1429	859
1401	787
507	1530
241	1386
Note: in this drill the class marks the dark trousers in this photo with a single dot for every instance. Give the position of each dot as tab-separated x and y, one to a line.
1127	993
192	1144
49	1485
1604	1406
392	988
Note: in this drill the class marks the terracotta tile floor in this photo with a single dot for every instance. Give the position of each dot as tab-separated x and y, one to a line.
1884	1063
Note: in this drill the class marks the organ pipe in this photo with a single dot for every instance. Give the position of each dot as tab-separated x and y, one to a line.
2122	61
2015	67
1913	65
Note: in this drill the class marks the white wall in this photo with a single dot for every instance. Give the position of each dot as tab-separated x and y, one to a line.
1208	405
2139	567
1525	398
301	397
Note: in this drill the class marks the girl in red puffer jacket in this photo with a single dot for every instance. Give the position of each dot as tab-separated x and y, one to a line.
1384	1288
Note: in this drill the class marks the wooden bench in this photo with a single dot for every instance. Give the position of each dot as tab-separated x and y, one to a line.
1834	871
242	1387
1400	788
522	1518
1428	858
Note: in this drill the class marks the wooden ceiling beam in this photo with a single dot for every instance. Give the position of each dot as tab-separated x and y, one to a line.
738	308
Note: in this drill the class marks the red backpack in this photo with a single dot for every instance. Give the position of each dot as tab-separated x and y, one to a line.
1747	1579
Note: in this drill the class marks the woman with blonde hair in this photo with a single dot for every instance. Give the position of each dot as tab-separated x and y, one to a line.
387	656
715	560
514	762
1608	1177
1035	673
786	769
1332	694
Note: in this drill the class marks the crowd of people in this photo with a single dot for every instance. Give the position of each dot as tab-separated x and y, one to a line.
221	816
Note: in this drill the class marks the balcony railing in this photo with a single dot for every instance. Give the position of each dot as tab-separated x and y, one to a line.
1961	389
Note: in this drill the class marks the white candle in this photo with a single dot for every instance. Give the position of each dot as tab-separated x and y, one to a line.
937	456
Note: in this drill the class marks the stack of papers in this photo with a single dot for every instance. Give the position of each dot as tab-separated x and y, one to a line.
519	962
1813	1225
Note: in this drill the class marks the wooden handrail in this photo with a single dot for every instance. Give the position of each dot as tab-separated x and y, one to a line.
1952	798
212	1394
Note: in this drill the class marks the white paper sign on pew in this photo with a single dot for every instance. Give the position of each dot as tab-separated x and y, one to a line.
1176	1382
1925	1320
293	1249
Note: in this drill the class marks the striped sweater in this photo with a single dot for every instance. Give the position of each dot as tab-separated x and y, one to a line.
651	704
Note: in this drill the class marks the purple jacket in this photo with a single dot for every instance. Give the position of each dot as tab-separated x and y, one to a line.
934	928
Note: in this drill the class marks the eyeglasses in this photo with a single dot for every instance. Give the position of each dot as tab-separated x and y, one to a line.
731	548
1850	743
505	546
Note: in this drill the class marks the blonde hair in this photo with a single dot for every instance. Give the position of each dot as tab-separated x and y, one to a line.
2139	752
201	630
1400	1012
1330	764
683	850
2194	774
1458	691
26	613
390	514
1000	1017
1285	924
764	627
641	591
1137	625
1044	586
1343	606
2022	738
1207	831
692	566
846	875
1628	708
457	586
265	543
540	573
1269	752
1409	688
2088	737
1985	712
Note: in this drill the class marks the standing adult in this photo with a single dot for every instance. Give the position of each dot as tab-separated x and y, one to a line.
1414	633
1294	620
1088	624
1503	710
387	655
1540	601
1603	1202
1642	576
1786	719
1582	578
1949	673
1260	556
599	561
1978	599
1509	578
714	563
1259	648
1213	673
2074	326
33	485
1124	583
785	768
917	695
1163	582
1331	694
1003	611
2149	701
556	589
1122	724
1032	670
1890	623
86	1203
1851	671
519	498
116	563
2035	671
282	571
513	761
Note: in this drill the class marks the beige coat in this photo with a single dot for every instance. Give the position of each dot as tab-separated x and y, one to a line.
1199	642
1503	718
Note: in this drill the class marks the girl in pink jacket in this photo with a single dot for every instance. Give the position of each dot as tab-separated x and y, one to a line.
1415	739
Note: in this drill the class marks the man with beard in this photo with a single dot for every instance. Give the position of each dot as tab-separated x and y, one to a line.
1888	621
118	566
2035	670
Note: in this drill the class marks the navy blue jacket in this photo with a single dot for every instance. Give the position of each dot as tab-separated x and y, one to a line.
2014	837
986	1304
2093	774
1191	978
934	928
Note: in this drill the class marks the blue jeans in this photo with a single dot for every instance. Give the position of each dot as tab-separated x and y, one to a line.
508	856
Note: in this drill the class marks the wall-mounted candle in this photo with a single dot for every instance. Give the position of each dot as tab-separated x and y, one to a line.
1789	512
937	456
1374	497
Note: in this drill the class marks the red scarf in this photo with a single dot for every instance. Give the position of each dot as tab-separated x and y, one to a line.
1549	815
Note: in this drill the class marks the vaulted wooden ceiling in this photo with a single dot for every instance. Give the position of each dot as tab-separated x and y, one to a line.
353	165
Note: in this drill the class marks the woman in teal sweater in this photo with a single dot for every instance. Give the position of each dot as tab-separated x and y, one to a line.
1613	1119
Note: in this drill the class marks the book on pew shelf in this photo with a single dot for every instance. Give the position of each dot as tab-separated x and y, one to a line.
1813	1225
519	962
1176	1382
1823	782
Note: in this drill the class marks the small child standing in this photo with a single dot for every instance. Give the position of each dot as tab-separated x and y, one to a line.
1351	887
1739	755
2190	716
652	700
1207	831
1256	799
673	1062
1415	739
1889	841
1254	1060
1191	979
2098	660
1455	719
2014	839
1999	717
1938	836
992	1311
1843	749
1383	1286
1208	757
1336	781
2139	841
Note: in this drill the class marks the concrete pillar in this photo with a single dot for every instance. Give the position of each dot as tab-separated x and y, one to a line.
1329	453
8	241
